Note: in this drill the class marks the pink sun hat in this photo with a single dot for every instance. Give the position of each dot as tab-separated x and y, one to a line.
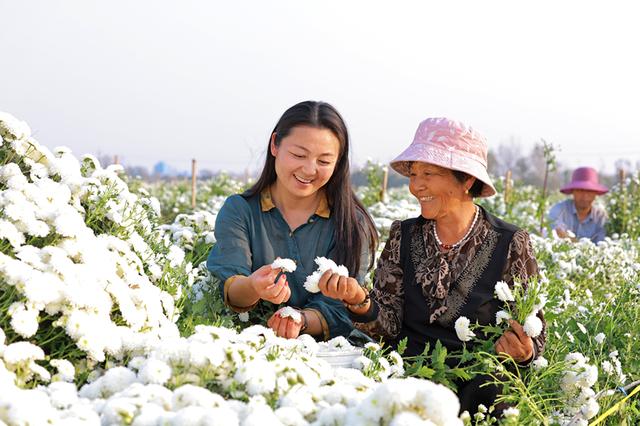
450	144
585	178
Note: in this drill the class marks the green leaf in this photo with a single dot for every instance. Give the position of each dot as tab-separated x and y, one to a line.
402	346
439	354
460	373
426	372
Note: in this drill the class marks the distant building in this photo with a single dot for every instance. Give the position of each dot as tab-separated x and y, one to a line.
162	169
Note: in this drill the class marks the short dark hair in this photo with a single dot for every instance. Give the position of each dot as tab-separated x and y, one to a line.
476	188
346	210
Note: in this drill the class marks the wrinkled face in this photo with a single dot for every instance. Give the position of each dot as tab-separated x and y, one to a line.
583	199
437	189
305	160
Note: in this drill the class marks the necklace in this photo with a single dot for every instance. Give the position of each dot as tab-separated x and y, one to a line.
461	240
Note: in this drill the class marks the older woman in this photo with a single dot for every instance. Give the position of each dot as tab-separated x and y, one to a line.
445	263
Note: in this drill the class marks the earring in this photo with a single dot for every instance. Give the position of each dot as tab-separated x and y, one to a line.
466	191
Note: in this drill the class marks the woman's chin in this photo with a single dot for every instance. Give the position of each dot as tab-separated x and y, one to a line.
427	214
301	190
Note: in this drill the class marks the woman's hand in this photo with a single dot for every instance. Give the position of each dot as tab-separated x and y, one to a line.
342	288
284	327
515	343
262	283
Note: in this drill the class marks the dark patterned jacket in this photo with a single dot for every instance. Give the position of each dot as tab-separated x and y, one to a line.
419	291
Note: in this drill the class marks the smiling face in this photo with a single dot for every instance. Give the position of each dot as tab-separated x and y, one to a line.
437	190
305	160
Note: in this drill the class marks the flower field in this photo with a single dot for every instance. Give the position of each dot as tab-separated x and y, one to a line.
108	316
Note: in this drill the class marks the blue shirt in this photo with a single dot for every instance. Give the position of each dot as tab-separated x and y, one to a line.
251	232
563	215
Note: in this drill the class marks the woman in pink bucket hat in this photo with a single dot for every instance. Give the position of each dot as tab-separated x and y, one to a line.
444	264
577	217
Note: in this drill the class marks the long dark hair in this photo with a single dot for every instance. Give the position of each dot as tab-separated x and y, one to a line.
345	206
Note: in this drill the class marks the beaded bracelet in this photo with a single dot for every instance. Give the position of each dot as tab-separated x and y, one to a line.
362	304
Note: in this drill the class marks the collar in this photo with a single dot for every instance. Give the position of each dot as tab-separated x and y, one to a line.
575	212
266	203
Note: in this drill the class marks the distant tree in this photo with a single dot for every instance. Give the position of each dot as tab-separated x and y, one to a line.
505	156
137	171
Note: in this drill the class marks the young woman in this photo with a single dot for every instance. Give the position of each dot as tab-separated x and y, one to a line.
301	207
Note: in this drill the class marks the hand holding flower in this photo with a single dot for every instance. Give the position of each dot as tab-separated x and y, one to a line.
515	343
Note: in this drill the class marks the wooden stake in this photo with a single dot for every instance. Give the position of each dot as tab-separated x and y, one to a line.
385	181
621	176
193	183
544	195
507	186
116	160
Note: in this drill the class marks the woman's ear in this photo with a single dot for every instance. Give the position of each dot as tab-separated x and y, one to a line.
272	146
469	184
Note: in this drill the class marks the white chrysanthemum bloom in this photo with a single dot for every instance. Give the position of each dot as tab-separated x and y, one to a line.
175	256
66	370
576	358
590	408
289	312
511	413
243	316
22	353
372	346
310	344
257	375
9	232
599	338
63	395
532	326
12	128
503	292
209	238
154	371
301	399
397	366
431	402
502	316
287	265
588	377
24	321
361	363
462	329
190	395
540	363
339	342
311	283
408	418
607	367
324	264
290	416
115	380
39	371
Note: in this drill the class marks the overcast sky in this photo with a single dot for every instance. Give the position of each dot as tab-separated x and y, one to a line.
153	80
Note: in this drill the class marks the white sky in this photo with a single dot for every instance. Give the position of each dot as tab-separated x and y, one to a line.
175	80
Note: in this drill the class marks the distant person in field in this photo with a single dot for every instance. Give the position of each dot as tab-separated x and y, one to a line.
445	263
578	214
301	207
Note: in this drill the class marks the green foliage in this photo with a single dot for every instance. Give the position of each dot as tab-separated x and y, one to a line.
372	193
623	207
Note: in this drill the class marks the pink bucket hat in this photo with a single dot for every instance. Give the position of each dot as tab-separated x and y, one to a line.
450	144
584	178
